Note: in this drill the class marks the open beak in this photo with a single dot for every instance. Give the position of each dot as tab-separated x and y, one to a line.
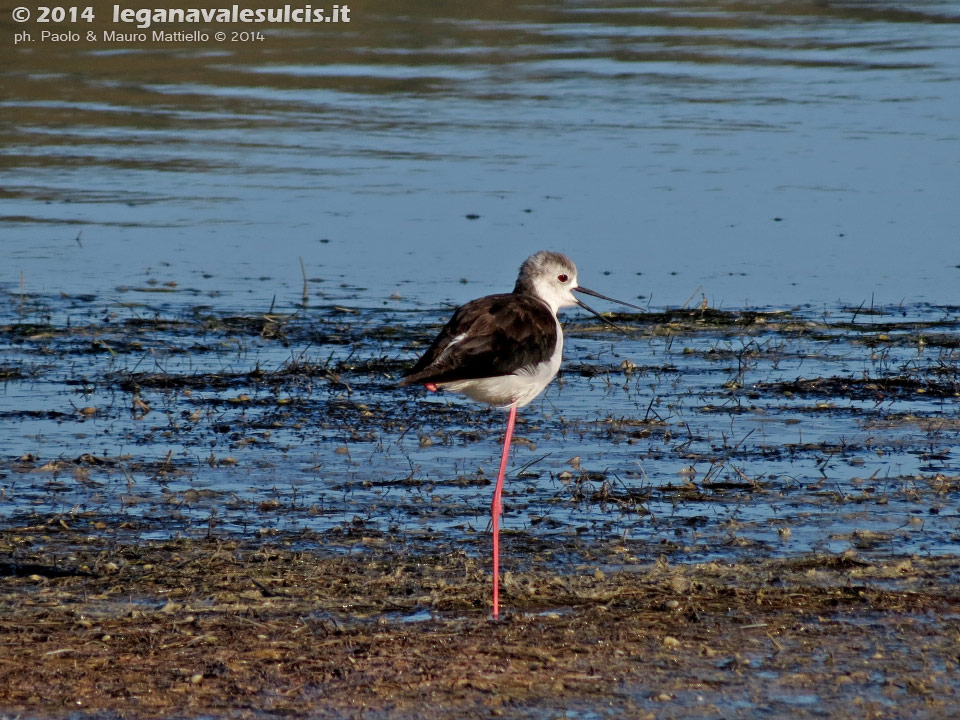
586	307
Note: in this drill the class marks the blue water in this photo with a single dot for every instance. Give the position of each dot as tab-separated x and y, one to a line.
752	154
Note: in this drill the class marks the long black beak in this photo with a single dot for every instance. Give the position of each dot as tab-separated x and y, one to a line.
587	291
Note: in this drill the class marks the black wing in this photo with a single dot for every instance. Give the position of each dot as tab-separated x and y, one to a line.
498	335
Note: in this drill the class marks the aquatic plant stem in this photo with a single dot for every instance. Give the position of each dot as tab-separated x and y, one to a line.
496	508
305	297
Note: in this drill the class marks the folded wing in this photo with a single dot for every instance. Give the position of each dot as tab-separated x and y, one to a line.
489	337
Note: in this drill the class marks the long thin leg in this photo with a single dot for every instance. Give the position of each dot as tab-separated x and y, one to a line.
496	508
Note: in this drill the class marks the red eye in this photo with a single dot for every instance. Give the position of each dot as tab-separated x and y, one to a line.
562	278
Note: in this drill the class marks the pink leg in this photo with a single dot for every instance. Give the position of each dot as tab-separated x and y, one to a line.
496	508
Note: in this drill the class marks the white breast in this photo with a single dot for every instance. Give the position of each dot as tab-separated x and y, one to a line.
517	389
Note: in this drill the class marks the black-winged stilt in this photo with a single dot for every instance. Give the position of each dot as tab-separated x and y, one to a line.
503	350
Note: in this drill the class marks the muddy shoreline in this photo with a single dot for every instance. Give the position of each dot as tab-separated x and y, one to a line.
214	627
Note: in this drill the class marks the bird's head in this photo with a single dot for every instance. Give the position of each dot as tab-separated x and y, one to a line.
552	277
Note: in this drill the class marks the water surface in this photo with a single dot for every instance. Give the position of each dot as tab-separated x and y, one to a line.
757	154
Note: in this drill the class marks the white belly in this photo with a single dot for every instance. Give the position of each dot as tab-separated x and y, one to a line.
518	389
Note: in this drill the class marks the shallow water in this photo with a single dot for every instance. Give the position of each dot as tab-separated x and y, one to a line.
169	366
760	154
701	435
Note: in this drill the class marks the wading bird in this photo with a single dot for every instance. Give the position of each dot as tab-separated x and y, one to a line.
503	350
